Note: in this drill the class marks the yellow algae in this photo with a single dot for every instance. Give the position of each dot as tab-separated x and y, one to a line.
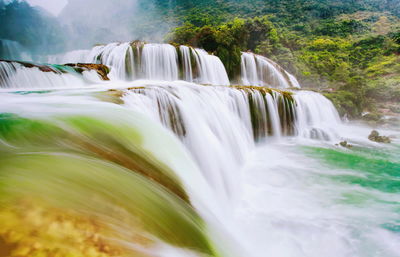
31	228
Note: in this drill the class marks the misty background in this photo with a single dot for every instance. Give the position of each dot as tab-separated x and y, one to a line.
53	26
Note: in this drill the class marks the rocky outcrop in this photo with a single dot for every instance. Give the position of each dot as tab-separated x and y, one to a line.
374	136
101	69
345	144
41	67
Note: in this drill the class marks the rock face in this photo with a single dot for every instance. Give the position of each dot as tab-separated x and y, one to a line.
374	136
101	69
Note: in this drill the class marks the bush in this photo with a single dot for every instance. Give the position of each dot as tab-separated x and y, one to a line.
347	103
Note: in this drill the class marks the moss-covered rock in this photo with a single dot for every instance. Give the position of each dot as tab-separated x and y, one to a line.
346	102
374	136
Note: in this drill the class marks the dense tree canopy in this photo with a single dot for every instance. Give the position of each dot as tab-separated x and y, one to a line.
349	46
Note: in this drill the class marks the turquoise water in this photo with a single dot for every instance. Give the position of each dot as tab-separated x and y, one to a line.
304	198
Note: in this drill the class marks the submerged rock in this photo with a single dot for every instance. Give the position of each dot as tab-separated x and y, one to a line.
101	69
345	144
374	136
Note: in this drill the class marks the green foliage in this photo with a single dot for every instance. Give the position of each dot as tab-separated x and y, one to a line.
346	103
396	36
227	40
331	27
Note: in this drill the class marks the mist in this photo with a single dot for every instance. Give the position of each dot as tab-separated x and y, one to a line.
93	22
81	24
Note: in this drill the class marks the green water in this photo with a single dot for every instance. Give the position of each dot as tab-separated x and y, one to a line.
377	168
373	178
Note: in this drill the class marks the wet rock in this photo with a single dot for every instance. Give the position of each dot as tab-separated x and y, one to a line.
373	116
101	69
374	136
345	144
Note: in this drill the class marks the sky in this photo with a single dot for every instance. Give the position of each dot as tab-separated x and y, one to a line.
53	6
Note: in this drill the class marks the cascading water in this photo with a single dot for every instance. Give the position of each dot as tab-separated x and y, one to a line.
186	63
211	69
316	117
258	70
160	62
178	169
130	61
16	75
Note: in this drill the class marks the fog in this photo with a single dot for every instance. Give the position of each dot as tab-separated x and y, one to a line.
49	27
52	6
101	21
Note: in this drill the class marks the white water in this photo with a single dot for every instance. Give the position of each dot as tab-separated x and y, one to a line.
290	208
130	61
317	118
14	75
258	70
186	63
265	199
208	133
160	62
211	69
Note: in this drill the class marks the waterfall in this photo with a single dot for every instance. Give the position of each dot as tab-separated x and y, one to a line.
147	156
260	112
12	50
211	69
256	114
316	117
186	63
258	70
177	107
160	62
136	60
19	75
